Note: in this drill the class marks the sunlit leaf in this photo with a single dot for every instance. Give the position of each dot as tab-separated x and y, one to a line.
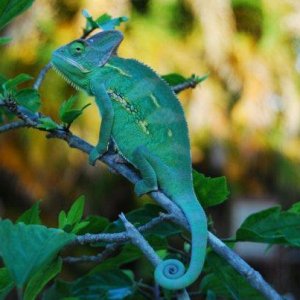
106	22
26	248
67	113
174	79
11	8
210	191
47	123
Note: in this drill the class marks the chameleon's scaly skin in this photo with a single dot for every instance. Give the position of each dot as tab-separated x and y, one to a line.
146	121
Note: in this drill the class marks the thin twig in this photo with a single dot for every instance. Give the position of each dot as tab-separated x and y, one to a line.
109	251
12	125
41	76
118	237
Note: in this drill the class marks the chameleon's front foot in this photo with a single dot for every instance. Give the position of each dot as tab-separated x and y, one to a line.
95	154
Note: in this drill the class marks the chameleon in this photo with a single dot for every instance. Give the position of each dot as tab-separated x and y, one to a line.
146	122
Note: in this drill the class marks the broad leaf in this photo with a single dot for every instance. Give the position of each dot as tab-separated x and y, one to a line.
26	248
210	191
41	278
6	283
29	98
31	216
67	113
108	285
272	226
11	8
14	82
224	281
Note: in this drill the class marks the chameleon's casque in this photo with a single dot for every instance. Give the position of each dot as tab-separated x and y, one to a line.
146	122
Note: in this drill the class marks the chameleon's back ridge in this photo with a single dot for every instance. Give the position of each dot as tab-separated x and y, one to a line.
143	117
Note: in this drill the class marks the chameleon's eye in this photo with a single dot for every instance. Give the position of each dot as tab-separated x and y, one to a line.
77	48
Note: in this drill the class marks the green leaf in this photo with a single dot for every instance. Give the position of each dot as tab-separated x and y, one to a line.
174	79
26	248
76	211
272	226
6	283
95	224
48	124
41	278
106	22
31	216
224	281
70	222
62	219
210	191
67	113
295	208
29	98
11	8
108	285
14	82
5	40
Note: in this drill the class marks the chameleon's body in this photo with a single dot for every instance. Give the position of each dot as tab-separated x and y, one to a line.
146	122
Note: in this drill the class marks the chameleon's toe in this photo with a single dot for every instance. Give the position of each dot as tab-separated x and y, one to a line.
93	156
141	188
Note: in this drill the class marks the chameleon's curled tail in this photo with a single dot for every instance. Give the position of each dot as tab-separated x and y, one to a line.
171	273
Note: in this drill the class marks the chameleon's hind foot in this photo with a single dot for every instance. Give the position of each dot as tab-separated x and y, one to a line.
142	187
94	156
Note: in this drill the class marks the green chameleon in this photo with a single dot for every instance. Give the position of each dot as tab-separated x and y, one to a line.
142	116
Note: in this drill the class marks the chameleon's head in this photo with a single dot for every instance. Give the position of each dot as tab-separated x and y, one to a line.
77	59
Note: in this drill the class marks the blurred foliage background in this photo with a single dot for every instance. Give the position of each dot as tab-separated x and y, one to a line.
244	119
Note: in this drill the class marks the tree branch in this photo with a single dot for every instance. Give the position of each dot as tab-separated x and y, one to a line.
175	214
41	76
12	125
